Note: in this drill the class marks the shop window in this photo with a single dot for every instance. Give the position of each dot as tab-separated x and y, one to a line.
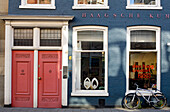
38	4
50	37
23	37
90	4
90	61
143	4
143	57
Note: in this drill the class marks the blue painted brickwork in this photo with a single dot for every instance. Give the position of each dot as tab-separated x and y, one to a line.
117	41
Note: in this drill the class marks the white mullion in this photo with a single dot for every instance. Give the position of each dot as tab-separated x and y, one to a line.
35	98
36	39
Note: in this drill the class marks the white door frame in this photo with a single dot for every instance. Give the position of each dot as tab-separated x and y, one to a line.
9	25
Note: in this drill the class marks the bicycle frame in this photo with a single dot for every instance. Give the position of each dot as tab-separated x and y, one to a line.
151	93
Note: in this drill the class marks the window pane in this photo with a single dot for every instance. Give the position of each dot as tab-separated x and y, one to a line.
23	37
91	2
50	37
45	1
90	40
143	2
143	39
93	67
142	69
31	1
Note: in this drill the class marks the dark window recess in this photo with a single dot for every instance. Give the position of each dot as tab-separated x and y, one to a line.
93	66
92	45
23	37
143	45
50	37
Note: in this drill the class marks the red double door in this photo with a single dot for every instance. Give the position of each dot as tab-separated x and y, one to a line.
49	79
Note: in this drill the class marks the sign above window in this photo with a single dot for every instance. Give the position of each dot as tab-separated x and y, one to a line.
143	4
38	4
90	4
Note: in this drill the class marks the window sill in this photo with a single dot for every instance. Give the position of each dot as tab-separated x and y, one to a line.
144	7
87	93
37	7
90	7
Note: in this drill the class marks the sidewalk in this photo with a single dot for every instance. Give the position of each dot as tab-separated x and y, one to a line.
166	109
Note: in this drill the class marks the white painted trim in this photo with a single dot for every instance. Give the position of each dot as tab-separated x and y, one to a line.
89	94
36	25
140	7
74	44
37	6
158	35
8	62
90	6
35	85
64	63
157	6
168	44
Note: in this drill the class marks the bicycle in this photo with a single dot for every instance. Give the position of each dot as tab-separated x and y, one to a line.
155	99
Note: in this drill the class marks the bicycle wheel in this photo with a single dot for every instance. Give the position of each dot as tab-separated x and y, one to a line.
158	101
131	101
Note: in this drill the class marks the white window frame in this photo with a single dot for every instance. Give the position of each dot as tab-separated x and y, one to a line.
158	36
90	6
105	49
37	6
157	6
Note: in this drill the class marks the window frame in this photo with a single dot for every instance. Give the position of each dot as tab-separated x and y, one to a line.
90	6
105	49
128	50
157	6
37	6
36	39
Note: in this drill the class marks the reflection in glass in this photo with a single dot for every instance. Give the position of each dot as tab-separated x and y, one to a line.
142	69
91	2
143	2
38	1
143	40
93	66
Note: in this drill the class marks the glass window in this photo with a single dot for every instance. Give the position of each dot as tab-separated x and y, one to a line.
38	4
38	1
23	37
90	4
89	62
143	4
50	37
142	69
90	1
143	57
143	39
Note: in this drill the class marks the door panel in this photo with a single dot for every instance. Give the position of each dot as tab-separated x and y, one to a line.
49	84
22	78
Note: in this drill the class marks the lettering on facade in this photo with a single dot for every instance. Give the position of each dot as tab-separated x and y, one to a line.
49	56
49	99
22	55
143	71
124	15
22	98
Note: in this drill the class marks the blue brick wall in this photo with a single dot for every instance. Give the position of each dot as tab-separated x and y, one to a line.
117	41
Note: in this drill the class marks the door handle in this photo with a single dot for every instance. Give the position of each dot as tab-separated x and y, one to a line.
39	78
